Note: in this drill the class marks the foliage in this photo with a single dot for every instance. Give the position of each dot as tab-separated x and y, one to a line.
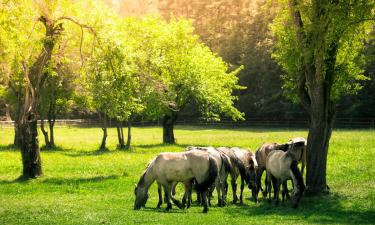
347	23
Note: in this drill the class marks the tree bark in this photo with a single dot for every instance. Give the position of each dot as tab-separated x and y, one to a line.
45	133
51	122
128	142
168	128
317	151
17	135
7	112
30	152
120	135
104	128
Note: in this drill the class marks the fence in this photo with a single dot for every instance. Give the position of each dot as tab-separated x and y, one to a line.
249	122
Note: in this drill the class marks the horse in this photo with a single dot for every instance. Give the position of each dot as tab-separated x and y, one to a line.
224	165
299	145
169	167
244	164
261	157
280	167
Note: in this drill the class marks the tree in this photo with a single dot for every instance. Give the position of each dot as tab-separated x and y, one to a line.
38	28
56	98
181	71
318	43
114	83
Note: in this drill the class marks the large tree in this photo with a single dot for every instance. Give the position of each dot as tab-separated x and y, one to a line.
33	29
318	46
180	70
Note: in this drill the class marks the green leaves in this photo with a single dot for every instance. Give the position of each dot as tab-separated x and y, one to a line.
344	23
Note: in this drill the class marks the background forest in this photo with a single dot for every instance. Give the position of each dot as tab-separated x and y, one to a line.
239	32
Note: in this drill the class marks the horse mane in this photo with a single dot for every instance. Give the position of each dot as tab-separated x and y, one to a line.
142	179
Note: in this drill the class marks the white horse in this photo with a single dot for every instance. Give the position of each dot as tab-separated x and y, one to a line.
224	165
168	168
282	166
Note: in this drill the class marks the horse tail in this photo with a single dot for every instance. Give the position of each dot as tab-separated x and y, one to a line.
298	176
211	175
226	162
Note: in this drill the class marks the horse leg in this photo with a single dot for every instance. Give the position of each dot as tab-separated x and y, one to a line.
276	188
254	193
205	203
218	190
268	186
187	193
265	189
160	196
234	190
285	192
224	190
174	184
241	191
167	194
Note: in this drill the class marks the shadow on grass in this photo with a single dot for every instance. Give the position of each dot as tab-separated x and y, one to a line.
65	181
79	180
323	209
10	147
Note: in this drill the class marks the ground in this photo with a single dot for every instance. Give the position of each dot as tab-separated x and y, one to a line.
83	186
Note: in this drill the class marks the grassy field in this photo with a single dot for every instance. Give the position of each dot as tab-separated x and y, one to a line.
83	186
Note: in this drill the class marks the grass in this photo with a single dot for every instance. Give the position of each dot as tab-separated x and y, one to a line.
83	186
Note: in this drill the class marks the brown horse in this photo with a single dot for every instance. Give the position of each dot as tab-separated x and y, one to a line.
168	168
244	164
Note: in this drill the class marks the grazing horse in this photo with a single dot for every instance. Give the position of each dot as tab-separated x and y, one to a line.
299	146
261	157
224	165
168	168
282	166
244	164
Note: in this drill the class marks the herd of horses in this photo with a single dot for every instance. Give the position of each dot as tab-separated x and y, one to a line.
205	169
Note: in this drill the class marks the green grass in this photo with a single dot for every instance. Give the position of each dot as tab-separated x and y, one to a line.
83	186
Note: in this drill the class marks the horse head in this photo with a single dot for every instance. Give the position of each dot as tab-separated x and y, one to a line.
141	197
252	171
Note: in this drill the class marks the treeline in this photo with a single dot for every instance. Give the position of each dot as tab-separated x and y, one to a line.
239	31
59	58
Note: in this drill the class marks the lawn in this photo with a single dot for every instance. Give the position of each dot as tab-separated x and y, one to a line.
83	186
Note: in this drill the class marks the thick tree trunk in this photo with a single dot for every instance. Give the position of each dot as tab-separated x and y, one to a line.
128	142
317	151
45	133
104	128
31	160
168	125
120	135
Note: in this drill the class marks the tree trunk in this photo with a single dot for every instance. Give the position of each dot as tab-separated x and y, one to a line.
168	125
45	133
128	142
317	151
17	134
31	160
120	135
7	112
104	128
51	122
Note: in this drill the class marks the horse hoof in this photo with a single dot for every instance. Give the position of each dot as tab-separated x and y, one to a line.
205	210
269	201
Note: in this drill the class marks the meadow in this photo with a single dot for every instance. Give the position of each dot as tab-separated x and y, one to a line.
82	185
